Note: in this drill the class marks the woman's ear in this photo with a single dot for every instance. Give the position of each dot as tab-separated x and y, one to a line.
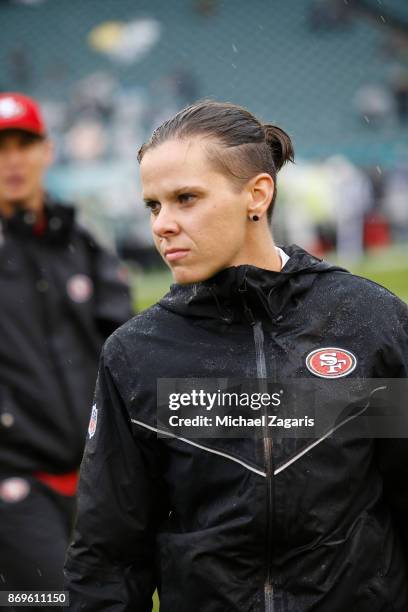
261	188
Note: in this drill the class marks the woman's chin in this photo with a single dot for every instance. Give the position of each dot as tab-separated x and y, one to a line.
185	279
186	276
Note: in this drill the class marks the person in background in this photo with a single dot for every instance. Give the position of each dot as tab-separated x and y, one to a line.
61	296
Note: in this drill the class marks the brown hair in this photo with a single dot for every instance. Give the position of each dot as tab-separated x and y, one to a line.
248	146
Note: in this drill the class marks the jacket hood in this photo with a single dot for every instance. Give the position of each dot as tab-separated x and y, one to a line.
244	292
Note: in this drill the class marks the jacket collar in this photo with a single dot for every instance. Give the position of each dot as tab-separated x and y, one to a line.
246	293
55	226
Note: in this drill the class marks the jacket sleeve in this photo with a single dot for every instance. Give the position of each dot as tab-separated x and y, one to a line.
110	562
113	305
393	452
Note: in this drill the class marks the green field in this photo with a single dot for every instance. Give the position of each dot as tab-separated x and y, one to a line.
388	268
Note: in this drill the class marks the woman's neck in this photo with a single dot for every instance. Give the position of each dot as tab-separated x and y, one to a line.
260	251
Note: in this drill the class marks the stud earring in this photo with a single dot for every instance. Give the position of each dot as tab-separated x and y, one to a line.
254	218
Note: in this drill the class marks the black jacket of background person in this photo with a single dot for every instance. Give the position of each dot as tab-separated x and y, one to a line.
61	296
212	525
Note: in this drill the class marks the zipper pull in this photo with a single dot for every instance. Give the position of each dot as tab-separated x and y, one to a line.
249	316
247	311
242	289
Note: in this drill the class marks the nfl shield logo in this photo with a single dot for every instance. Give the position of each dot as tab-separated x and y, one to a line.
93	420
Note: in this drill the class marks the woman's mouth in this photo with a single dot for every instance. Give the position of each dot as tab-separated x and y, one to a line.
175	254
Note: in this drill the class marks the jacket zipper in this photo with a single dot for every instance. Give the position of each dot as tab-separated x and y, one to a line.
267	443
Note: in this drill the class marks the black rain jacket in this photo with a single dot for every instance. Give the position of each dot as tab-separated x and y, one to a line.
227	525
62	295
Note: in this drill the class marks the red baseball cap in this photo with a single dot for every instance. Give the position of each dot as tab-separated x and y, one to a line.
18	112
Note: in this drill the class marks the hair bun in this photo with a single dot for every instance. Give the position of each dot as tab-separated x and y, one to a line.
280	144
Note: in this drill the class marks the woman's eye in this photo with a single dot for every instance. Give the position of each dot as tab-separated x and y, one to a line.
154	207
186	197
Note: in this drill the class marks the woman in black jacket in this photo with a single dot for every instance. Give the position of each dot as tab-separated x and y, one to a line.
263	523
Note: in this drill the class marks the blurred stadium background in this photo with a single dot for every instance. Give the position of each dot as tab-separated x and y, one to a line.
332	73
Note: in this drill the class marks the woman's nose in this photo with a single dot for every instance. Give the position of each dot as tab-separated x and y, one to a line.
164	224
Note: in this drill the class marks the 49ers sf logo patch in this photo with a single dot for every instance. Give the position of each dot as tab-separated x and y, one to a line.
331	362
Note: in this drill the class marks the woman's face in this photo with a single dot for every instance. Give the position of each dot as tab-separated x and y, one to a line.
199	218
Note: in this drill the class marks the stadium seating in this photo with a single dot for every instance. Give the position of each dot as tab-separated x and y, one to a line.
262	54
